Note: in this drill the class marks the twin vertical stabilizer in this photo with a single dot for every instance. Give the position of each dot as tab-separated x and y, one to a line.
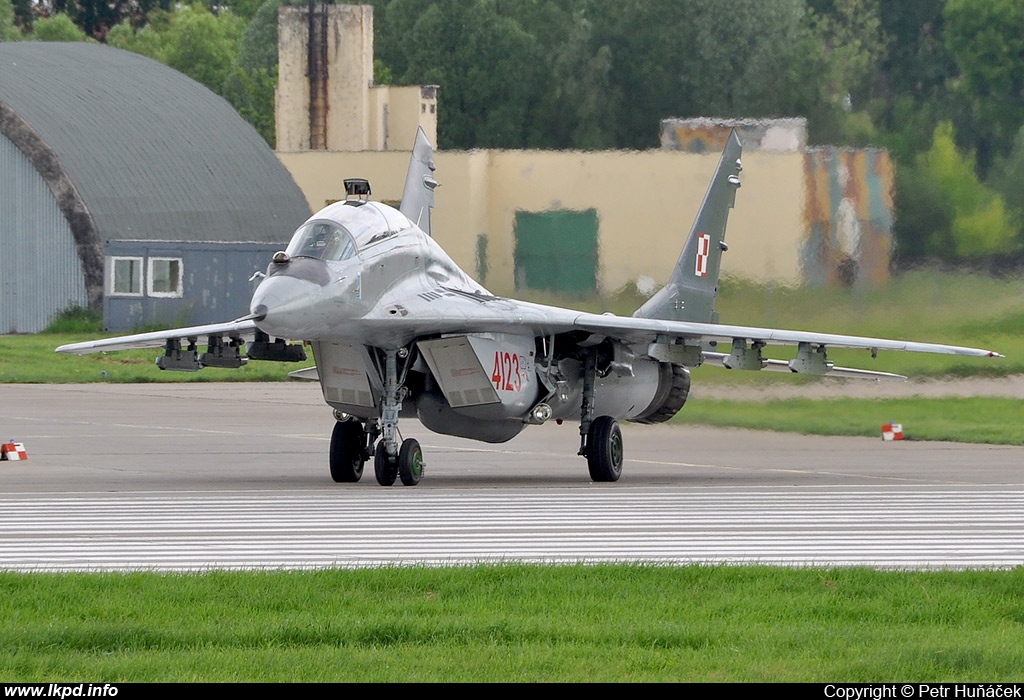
690	292
418	195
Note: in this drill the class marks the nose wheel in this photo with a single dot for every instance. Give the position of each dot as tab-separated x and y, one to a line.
410	462
385	467
407	464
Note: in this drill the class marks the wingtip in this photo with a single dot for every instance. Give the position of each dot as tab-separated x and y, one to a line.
72	348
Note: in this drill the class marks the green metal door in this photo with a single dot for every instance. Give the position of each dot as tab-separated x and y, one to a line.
556	251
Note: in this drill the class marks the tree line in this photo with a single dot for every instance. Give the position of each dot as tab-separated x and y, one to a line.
940	83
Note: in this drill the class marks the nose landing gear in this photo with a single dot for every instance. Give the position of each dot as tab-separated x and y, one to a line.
407	465
352	442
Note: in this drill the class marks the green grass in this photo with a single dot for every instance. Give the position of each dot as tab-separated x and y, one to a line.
76	319
515	623
918	301
30	359
988	420
928	306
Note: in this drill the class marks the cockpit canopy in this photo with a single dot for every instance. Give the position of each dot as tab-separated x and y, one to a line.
340	230
324	240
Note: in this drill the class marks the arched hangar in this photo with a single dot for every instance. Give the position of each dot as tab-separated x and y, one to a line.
128	187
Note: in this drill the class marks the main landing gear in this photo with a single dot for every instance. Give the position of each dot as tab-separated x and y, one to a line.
604	449
348	451
600	438
351	445
353	440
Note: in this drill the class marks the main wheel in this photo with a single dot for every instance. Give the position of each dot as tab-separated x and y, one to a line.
410	462
347	451
384	468
604	449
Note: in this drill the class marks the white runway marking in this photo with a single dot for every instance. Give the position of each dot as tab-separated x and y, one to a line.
911	528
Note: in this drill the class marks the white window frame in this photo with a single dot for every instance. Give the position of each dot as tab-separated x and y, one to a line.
112	276
179	291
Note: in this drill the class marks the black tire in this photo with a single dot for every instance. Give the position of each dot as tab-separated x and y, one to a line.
677	383
604	449
384	468
347	452
410	462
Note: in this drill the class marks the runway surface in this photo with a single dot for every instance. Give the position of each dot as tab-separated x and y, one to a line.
201	476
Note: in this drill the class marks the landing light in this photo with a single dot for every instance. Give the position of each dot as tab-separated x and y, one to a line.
540	413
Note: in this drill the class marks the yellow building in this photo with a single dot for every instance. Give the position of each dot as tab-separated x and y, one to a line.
575	222
643	204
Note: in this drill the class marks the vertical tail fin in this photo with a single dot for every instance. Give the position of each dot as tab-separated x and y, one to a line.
690	292
418	195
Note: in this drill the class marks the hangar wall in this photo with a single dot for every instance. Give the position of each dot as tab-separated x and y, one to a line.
208	283
81	167
40	270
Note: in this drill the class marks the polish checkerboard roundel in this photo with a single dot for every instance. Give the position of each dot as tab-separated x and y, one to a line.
703	247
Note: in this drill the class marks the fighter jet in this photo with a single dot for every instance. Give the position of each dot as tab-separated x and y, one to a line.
398	330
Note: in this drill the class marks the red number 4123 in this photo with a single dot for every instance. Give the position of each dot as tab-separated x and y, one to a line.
505	374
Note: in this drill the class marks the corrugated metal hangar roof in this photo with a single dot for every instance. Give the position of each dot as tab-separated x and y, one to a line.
153	154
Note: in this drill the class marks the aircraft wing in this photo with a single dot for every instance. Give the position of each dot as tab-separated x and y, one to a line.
455	311
511	316
242	328
680	342
452	311
640	328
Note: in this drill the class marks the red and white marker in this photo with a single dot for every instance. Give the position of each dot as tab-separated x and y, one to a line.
892	431
13	451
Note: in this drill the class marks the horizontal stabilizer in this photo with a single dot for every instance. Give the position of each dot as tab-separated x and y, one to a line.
718	358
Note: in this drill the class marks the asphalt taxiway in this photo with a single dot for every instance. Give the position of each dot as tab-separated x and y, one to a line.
124	437
186	476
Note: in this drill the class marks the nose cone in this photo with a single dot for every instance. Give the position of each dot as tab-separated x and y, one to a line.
285	306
